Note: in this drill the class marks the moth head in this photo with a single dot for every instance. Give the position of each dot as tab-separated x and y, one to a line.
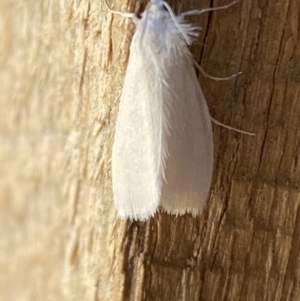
158	4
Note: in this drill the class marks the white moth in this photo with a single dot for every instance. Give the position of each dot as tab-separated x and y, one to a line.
163	146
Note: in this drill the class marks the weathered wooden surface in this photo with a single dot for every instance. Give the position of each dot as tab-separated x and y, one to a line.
62	65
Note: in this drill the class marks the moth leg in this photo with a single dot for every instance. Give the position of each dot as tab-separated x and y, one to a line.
220	79
205	74
121	13
209	9
230	127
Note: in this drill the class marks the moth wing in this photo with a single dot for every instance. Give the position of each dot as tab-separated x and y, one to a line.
189	165
163	128
137	147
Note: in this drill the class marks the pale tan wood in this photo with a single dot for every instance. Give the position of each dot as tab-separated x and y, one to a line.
62	65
